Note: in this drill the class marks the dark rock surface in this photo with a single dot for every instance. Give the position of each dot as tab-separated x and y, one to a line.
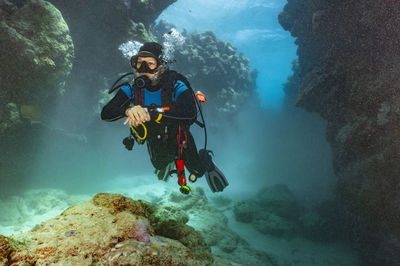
36	54
349	67
273	211
276	211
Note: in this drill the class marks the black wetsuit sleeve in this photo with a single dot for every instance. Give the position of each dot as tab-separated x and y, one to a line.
184	108
116	107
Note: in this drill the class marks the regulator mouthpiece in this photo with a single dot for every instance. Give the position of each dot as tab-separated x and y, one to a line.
142	81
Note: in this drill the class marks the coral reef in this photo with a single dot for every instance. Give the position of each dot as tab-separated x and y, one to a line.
349	68
109	229
36	59
214	67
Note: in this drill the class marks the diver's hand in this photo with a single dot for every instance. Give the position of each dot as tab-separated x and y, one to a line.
136	115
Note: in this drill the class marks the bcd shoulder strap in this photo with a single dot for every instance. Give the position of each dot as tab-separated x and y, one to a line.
168	87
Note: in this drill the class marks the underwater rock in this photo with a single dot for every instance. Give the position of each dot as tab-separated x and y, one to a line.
116	203
170	221
327	222
275	225
349	67
36	57
274	211
214	67
9	117
164	214
197	198
229	243
109	229
189	237
210	222
221	201
245	211
222	261
279	200
5	249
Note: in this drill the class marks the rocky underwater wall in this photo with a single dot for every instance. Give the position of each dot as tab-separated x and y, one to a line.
349	67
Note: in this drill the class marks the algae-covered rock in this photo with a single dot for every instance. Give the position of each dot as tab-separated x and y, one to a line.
5	249
245	211
171	222
214	67
36	56
109	229
278	199
197	198
221	201
274	211
275	225
116	203
168	213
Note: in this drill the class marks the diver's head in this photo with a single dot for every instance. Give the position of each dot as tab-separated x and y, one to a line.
149	61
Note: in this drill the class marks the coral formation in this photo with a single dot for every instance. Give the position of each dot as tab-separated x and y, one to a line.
214	67
348	67
36	58
109	229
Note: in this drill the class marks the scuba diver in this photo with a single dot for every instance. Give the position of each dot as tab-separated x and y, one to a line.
160	106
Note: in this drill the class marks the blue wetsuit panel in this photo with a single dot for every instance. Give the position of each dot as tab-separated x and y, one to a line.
127	90
152	97
155	97
179	88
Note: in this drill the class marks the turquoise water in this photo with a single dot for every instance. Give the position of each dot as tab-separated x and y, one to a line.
253	28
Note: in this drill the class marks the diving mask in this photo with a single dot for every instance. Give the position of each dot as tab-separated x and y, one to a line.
144	66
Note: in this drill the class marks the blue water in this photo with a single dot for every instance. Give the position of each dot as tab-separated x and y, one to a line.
253	28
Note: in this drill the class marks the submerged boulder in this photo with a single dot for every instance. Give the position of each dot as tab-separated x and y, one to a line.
109	229
279	200
274	211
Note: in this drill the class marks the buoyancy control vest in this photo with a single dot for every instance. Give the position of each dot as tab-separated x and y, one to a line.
167	91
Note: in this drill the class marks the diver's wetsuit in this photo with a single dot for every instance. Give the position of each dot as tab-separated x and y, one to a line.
162	137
